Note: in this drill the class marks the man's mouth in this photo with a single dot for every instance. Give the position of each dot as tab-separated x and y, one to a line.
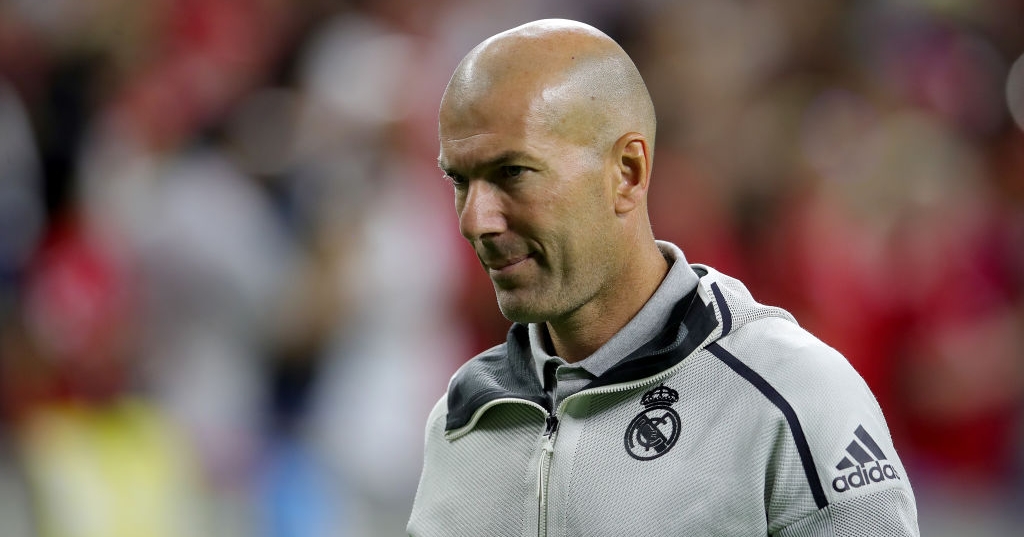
504	264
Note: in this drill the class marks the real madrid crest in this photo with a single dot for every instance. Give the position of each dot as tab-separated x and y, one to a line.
655	430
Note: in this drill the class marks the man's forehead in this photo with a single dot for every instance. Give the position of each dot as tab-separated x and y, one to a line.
489	120
467	125
467	103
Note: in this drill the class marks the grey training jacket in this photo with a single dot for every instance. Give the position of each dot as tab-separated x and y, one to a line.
741	424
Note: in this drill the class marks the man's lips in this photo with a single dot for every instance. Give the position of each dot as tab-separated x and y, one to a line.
501	264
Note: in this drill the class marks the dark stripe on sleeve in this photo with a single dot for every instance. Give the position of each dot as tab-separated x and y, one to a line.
726	314
794	424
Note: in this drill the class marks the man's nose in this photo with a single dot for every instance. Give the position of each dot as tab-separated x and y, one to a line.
481	211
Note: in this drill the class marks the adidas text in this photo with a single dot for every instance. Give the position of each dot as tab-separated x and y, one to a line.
863	475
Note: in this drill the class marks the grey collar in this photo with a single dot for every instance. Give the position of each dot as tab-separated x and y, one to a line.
507	371
678	282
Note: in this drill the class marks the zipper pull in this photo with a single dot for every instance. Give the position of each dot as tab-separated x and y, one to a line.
550	426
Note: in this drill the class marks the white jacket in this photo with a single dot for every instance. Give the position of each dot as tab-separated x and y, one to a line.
743	424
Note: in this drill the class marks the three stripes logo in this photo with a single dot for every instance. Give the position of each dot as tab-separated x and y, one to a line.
861	456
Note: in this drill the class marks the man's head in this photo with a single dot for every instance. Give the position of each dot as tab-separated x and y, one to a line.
547	132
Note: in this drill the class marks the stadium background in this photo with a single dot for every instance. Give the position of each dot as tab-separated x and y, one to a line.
232	286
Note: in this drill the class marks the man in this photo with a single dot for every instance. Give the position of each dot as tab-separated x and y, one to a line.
636	394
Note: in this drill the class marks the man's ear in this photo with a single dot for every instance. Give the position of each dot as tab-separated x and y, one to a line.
632	172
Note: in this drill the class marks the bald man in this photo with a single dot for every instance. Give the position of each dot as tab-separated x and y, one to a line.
636	394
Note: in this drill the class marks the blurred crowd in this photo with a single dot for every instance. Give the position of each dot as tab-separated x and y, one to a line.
232	284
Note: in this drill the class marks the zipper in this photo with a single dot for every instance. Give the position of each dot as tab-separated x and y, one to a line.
543	472
551	430
622	387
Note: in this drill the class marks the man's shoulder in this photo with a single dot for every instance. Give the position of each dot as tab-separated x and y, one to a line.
487	359
480	370
811	382
840	432
809	374
438	414
503	371
782	350
768	338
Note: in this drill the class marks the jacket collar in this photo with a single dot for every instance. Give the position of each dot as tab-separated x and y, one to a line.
506	371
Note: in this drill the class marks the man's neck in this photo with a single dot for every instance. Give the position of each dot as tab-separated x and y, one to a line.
584	331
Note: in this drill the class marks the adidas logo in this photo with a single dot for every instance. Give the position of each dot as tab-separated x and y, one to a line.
863	471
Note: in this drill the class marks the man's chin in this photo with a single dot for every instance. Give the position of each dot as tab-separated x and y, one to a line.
520	309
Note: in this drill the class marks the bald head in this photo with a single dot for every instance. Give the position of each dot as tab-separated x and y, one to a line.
546	134
578	80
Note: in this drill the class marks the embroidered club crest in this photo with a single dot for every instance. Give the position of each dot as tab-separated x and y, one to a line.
655	430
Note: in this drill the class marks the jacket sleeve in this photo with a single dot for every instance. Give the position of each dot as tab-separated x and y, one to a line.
888	513
424	496
838	446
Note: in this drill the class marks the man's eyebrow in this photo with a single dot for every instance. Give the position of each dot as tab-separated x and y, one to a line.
498	161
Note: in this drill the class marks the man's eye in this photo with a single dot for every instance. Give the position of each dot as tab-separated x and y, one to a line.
511	172
455	179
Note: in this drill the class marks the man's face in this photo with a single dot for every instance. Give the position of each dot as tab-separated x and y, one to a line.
536	206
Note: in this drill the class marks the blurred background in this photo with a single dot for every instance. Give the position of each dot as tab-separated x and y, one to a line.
232	284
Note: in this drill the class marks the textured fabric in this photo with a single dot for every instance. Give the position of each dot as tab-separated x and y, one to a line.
883	513
493	469
739	423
